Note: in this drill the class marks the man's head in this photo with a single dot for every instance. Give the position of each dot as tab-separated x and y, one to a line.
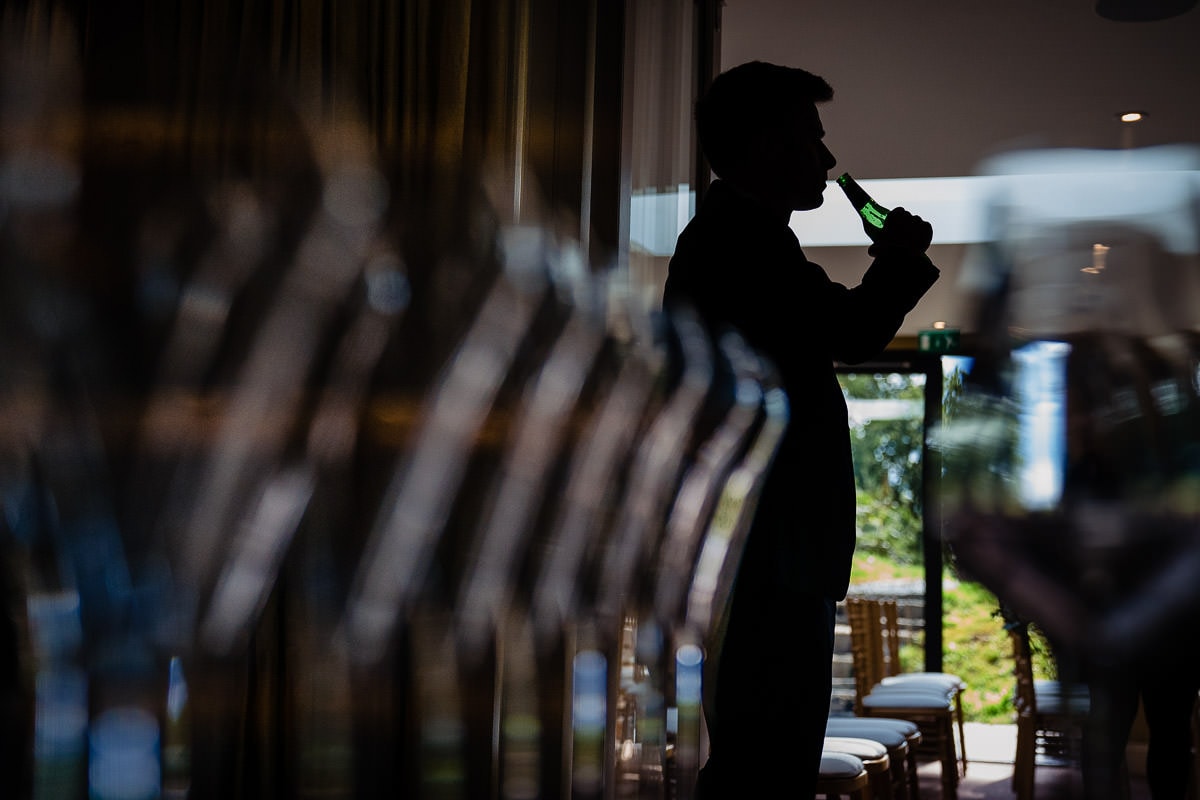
759	129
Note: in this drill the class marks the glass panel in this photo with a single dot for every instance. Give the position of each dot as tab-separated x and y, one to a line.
887	420
888	429
661	37
887	412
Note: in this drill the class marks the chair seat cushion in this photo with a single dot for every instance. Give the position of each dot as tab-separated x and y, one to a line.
840	765
933	689
876	729
1073	701
903	726
926	678
1052	697
902	699
863	748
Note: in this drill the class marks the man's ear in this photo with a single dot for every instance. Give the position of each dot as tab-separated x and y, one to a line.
761	155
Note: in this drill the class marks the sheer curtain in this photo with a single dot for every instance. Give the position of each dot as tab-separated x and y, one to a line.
577	109
671	49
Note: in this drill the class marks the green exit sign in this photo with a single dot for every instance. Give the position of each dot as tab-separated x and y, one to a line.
944	340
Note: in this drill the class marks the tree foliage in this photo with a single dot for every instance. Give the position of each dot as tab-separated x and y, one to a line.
887	466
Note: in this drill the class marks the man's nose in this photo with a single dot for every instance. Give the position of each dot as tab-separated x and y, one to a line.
829	160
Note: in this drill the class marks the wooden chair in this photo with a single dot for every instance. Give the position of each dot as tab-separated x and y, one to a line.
875	758
930	707
900	737
893	673
1049	714
843	775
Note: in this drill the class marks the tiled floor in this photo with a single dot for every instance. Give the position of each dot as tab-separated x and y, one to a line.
990	751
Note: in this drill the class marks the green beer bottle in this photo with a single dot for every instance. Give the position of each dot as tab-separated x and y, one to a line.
872	213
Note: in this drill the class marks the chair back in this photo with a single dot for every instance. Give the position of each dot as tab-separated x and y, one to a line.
865	644
890	638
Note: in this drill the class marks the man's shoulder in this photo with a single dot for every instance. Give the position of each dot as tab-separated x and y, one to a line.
722	224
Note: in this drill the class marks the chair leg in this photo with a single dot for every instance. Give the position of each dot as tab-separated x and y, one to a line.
949	760
901	790
941	740
914	778
1023	762
858	788
962	733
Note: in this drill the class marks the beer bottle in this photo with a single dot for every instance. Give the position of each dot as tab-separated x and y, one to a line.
872	213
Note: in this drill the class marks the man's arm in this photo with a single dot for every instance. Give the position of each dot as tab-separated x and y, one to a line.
891	287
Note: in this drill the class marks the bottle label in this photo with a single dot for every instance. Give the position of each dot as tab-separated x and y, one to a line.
873	214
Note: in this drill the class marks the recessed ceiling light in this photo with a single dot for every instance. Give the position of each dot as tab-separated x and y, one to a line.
1131	116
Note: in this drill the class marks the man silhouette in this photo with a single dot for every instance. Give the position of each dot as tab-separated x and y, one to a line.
739	265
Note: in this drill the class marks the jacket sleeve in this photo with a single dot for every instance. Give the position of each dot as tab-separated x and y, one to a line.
755	277
864	319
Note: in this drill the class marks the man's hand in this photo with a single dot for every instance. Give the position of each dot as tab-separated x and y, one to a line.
902	233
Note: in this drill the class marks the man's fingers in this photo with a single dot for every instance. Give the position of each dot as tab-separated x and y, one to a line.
906	230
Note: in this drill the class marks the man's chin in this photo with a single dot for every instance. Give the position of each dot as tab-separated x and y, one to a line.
809	203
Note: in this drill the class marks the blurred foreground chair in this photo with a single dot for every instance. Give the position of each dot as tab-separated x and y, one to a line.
698	622
1049	714
931	707
726	433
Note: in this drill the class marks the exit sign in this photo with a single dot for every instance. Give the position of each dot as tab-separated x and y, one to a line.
944	340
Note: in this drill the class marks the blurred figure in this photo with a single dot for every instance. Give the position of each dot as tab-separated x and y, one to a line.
740	266
1071	470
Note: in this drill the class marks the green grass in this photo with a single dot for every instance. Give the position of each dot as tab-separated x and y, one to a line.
975	645
869	568
977	648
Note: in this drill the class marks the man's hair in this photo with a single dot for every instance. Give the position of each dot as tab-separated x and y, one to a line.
747	99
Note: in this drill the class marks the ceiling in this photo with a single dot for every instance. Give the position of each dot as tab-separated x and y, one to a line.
932	88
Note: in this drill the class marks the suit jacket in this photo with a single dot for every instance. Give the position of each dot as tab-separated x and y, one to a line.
738	267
